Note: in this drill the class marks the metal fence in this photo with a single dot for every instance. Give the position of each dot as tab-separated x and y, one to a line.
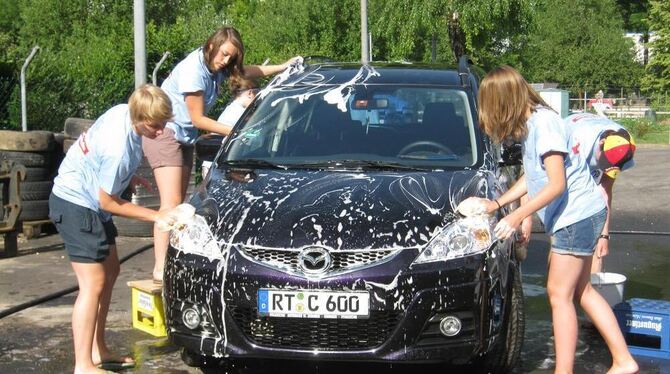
620	102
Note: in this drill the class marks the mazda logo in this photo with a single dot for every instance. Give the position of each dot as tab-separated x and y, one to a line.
314	260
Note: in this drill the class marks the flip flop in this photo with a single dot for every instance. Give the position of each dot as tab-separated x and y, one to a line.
115	365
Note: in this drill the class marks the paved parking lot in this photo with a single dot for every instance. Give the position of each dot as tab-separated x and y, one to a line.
38	339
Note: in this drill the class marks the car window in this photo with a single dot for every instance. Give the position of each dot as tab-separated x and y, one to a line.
416	126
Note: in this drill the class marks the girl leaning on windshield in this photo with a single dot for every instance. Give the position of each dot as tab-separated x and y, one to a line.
193	88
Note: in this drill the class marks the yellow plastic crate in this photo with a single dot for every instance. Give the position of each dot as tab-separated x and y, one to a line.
147	307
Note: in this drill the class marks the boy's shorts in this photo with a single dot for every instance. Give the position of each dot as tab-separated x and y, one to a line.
86	237
580	238
165	150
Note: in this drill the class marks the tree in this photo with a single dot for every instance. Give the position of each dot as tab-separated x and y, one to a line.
480	28
580	45
634	13
86	62
280	29
657	78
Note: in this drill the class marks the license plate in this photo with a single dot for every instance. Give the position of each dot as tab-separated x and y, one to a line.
313	304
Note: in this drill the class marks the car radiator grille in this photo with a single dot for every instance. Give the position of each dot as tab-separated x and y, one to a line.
287	259
322	334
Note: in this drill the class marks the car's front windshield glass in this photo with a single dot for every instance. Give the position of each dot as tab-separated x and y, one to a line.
412	126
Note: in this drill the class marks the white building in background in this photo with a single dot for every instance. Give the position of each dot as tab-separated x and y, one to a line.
642	51
557	99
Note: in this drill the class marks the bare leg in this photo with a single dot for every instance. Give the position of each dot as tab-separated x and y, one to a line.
100	351
169	180
91	279
564	272
186	177
603	318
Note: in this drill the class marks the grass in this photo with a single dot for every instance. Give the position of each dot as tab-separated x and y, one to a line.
646	131
656	137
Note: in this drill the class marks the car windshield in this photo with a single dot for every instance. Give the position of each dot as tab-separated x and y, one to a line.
362	125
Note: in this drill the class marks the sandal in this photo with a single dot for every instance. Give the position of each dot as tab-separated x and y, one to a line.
116	364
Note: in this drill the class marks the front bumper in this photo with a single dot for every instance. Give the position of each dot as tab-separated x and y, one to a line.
406	307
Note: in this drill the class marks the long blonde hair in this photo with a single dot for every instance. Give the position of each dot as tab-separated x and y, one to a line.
504	99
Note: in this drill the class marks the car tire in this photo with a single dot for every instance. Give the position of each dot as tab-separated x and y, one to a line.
516	325
31	191
28	159
34	210
30	141
133	228
67	143
75	126
504	357
37	175
193	359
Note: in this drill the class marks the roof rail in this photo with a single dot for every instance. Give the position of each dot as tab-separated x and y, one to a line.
317	59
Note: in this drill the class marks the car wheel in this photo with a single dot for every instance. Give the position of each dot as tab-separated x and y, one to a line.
67	143
28	159
75	126
505	356
133	228
193	359
29	141
34	210
31	191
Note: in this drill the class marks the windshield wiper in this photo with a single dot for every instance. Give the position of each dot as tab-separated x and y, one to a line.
363	164
431	157
252	163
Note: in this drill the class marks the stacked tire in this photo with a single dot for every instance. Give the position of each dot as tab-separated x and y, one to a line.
38	152
72	129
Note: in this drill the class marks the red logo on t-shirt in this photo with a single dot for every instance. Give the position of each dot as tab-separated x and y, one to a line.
575	149
82	143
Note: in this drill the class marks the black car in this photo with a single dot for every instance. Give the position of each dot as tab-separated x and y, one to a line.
326	228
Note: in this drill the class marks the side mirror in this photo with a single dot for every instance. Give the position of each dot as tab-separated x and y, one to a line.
207	146
512	154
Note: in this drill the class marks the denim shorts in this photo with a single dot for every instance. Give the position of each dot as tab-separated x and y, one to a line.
86	237
580	238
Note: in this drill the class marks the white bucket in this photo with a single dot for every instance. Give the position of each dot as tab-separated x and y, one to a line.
610	286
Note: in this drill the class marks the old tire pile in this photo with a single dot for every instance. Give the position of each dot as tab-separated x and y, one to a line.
37	151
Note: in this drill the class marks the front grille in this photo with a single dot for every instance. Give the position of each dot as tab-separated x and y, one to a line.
345	260
321	334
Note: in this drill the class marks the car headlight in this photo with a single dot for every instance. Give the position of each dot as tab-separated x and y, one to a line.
464	237
195	237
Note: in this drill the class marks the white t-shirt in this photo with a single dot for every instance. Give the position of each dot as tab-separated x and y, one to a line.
581	198
585	130
104	157
232	113
190	75
229	116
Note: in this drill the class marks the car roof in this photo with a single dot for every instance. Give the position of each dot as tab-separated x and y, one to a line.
387	73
